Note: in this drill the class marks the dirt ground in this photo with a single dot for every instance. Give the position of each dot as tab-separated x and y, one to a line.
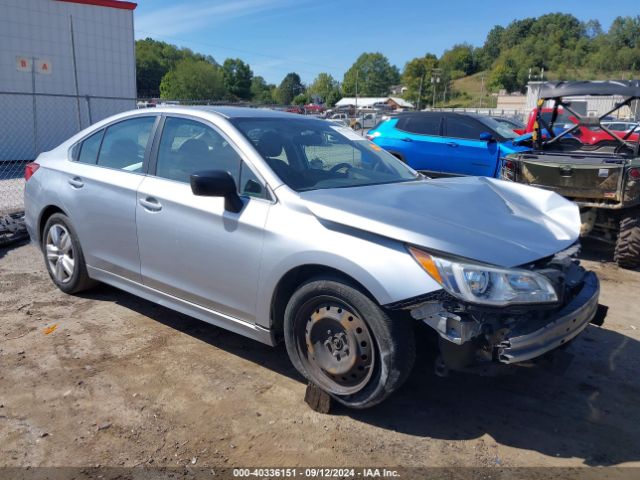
124	382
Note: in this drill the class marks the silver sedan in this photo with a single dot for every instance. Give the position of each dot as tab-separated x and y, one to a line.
281	227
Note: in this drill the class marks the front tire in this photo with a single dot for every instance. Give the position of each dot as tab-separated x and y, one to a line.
341	340
627	252
63	255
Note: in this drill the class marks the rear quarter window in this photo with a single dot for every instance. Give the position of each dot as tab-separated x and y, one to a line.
89	148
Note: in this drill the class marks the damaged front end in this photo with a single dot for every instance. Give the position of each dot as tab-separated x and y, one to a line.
532	310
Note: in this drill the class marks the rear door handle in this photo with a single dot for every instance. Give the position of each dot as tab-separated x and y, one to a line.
76	182
407	140
452	144
150	204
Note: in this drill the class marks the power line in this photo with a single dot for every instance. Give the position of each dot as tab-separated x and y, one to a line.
249	52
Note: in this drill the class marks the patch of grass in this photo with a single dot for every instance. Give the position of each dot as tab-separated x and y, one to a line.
468	90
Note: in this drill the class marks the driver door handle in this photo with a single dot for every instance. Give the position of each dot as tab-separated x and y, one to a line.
150	204
407	140
452	144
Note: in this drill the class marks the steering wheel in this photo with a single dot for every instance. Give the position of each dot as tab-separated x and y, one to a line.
338	166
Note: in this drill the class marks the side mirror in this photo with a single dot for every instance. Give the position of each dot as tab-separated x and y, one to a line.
217	183
487	137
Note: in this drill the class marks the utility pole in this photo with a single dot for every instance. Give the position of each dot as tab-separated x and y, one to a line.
481	89
420	90
435	79
357	72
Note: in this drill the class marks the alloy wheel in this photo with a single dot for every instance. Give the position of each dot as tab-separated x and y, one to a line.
60	254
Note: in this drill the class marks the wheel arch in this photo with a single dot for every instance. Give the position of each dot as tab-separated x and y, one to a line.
45	214
295	277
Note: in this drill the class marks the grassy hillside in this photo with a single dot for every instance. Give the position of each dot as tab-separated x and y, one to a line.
468	89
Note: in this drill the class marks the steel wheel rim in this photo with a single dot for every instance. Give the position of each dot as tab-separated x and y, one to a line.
59	252
336	346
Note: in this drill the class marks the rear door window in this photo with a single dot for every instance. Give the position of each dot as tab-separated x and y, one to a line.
124	144
426	124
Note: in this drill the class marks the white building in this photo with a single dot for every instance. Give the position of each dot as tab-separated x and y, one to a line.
64	64
368	102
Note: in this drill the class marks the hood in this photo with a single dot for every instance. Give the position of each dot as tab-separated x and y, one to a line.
518	144
480	218
524	138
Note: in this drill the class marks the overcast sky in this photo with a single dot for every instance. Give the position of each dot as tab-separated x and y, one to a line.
311	36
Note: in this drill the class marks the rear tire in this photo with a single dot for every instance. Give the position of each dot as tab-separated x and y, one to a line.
63	256
627	252
342	341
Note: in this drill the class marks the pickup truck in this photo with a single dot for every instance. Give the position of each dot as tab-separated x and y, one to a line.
364	120
602	178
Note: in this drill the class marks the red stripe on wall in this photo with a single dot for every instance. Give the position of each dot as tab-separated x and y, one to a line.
105	3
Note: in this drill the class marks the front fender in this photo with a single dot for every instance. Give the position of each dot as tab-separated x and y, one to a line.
381	265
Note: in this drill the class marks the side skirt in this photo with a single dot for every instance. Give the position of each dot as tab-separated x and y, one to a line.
218	319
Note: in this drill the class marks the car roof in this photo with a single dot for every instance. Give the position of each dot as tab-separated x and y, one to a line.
442	114
227	111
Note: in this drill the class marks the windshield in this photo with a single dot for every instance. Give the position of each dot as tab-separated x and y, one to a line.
313	154
505	131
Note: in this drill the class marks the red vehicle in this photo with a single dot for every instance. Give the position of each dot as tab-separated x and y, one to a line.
295	109
314	108
589	135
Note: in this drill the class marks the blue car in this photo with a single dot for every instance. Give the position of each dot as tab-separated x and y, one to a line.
447	143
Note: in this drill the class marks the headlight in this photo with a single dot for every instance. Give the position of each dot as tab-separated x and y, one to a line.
477	283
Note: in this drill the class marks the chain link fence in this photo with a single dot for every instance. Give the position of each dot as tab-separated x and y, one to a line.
32	123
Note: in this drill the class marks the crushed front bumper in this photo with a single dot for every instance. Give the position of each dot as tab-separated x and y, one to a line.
564	326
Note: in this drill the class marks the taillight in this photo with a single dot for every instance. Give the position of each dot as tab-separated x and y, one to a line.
508	170
634	173
30	169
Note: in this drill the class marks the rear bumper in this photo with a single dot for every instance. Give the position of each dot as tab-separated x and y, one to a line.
566	325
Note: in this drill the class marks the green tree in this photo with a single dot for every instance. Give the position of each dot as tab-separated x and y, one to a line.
458	61
374	75
490	51
416	77
194	80
335	95
301	99
290	87
322	87
154	59
262	92
237	78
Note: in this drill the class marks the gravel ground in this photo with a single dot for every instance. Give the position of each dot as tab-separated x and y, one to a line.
123	382
11	195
